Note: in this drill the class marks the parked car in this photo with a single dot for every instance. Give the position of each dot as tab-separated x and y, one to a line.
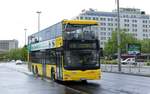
19	62
13	61
129	61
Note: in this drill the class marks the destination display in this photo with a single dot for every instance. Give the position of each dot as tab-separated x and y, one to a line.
82	45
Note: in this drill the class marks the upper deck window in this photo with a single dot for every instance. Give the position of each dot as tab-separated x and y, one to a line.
77	31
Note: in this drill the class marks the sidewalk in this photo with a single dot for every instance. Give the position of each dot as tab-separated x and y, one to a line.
127	69
20	68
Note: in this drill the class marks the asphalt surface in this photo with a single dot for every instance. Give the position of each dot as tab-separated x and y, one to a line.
16	82
112	83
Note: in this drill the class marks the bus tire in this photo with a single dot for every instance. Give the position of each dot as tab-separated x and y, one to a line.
84	81
53	74
36	71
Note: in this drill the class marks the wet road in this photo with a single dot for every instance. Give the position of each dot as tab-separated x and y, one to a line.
14	82
114	84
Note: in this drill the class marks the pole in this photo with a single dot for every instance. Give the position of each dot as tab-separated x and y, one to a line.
25	36
38	12
118	38
29	65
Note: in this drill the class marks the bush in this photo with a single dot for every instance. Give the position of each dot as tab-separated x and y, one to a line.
148	63
109	62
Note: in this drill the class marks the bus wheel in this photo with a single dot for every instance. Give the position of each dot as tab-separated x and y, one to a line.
36	71
84	81
52	74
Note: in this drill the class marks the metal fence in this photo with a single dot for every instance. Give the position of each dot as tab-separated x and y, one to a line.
140	68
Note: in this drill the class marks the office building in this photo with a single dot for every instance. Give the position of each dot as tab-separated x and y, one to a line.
132	20
6	45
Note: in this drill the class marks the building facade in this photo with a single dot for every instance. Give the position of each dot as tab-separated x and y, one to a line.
132	20
6	45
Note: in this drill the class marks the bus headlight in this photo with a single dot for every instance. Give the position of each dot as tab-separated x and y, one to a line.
68	59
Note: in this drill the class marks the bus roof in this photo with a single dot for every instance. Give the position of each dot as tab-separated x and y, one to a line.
82	22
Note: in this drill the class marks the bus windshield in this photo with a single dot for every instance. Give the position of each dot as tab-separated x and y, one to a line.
79	32
81	60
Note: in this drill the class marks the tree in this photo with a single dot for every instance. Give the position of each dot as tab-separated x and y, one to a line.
19	53
145	46
4	56
24	53
111	46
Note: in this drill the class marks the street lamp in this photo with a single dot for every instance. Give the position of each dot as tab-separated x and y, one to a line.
118	38
38	12
25	30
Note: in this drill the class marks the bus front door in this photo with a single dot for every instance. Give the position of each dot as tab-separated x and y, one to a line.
58	66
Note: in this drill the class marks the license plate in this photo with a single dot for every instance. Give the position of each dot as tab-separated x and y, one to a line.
83	79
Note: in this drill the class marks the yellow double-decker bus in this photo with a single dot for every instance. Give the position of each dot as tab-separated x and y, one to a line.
66	51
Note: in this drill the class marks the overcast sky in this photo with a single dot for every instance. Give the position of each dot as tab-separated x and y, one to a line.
15	15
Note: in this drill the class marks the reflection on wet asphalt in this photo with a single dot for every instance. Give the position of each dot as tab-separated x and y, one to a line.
114	84
13	82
